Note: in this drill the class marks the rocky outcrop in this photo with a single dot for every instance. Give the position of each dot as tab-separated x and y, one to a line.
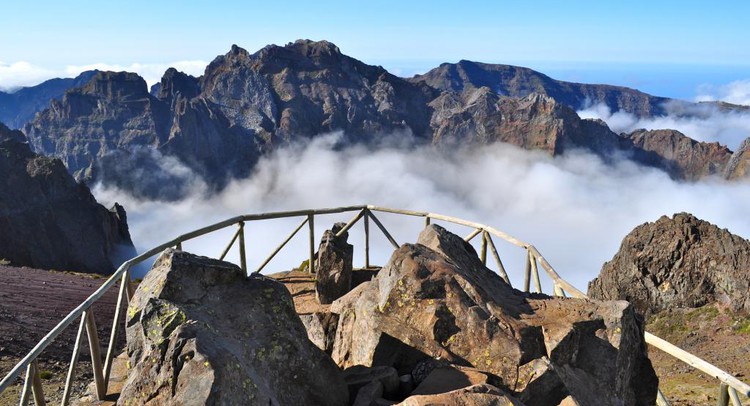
435	299
738	166
202	332
49	221
677	262
333	265
506	80
680	156
19	107
476	395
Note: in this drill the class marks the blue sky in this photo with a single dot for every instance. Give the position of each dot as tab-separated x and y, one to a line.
690	43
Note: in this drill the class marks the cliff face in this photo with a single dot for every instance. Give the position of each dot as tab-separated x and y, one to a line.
514	81
677	262
49	221
246	105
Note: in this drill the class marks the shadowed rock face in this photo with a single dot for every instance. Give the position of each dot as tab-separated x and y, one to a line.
49	221
677	262
738	166
435	299
200	331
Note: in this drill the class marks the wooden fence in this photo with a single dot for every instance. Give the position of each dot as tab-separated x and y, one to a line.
730	387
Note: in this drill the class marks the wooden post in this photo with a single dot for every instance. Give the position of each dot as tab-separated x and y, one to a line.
276	251
129	288
500	267
483	250
559	290
115	327
96	355
661	400
734	397
243	258
179	246
723	395
311	223
26	393
535	272
229	246
426	221
367	238
74	361
527	273
472	234
36	386
385	232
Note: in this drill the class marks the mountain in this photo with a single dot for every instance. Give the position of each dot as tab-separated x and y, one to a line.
246	105
20	106
514	81
678	262
49	221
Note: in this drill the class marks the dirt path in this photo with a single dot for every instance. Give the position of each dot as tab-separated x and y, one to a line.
32	302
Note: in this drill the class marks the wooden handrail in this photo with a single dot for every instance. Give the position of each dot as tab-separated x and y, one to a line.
101	373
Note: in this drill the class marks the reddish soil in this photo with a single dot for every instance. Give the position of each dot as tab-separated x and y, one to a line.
32	302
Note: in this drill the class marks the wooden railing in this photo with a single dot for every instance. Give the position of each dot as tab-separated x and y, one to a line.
730	386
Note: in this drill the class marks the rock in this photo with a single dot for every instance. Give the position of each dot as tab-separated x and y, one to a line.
358	376
682	157
677	262
405	385
321	329
446	379
477	395
368	394
435	299
200	331
44	213
569	401
738	166
333	266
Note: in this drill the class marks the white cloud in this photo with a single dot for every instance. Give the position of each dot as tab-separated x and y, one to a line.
19	74
737	92
703	122
572	208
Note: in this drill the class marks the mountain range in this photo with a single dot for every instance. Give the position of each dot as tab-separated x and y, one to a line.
109	127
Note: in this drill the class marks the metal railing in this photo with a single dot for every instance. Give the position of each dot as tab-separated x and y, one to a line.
730	386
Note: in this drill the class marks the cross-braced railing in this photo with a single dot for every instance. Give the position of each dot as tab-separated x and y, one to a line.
730	387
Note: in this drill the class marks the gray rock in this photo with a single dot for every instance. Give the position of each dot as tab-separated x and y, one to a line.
201	332
677	262
358	376
477	395
333	266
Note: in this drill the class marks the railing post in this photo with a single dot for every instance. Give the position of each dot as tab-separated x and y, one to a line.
535	272
527	272
129	288
483	251
243	258
115	327
178	247
734	397
661	400
96	356
426	221
311	224
723	395
36	386
367	238
74	361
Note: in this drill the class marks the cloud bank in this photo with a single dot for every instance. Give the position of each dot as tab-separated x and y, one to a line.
737	92
705	123
575	209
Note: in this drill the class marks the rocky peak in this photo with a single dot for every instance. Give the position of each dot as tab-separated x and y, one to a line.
11	136
679	155
117	86
739	163
677	262
175	83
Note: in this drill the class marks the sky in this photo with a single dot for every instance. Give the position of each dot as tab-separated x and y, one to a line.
566	206
669	48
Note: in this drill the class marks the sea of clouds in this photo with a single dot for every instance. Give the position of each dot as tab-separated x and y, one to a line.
575	208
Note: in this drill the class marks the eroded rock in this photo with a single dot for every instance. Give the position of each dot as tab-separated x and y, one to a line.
201	332
333	266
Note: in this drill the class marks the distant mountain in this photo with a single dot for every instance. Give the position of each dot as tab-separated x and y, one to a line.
246	105
19	107
514	81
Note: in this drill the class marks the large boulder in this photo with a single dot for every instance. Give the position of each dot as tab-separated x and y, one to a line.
201	332
677	262
333	266
476	395
435	299
49	221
